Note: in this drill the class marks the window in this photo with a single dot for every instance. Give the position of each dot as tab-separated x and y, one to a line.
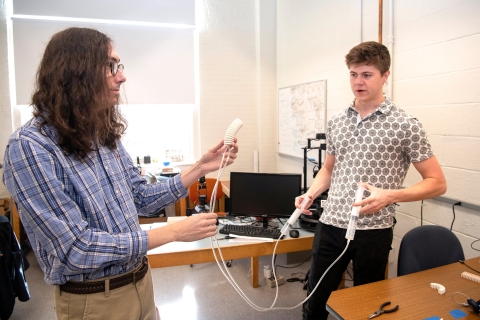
156	42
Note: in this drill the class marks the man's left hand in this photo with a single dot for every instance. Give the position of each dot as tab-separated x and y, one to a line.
378	199
210	161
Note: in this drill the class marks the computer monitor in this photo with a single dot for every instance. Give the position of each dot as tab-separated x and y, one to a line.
264	194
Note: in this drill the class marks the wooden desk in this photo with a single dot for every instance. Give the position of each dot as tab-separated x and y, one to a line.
412	293
184	253
226	187
181	207
226	193
16	224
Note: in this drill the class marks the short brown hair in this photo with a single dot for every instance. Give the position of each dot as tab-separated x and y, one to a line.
369	53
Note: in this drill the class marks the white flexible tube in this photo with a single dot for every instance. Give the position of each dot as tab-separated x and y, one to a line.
230	278
352	223
232	131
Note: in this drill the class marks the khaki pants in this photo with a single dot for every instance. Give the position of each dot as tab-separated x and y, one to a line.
132	301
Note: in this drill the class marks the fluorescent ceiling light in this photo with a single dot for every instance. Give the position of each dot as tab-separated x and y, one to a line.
104	21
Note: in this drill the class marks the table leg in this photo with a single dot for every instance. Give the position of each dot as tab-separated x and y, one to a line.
221	203
254	267
15	220
181	207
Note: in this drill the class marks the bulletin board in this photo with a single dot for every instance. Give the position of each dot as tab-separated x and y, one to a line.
302	113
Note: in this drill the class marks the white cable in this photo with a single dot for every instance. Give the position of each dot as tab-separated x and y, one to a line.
225	268
225	271
220	171
465	304
237	287
318	283
230	278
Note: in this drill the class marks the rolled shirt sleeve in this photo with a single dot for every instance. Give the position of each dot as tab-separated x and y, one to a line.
81	216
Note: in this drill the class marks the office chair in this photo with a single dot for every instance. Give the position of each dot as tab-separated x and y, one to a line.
427	247
193	193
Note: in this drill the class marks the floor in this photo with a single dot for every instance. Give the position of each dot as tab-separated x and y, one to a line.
200	292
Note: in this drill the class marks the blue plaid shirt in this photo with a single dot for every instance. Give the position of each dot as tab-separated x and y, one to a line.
81	217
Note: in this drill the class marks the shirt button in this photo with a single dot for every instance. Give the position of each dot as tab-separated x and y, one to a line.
116	191
106	168
179	195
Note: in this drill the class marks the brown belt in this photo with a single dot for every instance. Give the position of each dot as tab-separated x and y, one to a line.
99	286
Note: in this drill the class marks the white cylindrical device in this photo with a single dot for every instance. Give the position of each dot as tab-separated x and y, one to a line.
352	223
293	218
255	161
267	271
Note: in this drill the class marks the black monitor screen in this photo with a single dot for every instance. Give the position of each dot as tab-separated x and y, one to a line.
259	194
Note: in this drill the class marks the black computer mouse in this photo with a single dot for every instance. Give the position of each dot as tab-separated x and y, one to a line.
294	233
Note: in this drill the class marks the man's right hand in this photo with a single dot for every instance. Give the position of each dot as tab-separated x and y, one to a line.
193	228
299	200
196	227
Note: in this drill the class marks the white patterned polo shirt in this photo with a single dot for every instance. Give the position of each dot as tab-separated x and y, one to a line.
378	150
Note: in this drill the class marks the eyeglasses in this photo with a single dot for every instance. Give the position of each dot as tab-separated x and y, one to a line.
114	67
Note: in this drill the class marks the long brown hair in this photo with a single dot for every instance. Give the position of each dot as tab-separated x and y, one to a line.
72	92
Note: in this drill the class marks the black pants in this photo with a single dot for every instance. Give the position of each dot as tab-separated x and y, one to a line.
368	250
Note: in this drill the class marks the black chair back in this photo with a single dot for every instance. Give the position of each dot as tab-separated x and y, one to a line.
427	247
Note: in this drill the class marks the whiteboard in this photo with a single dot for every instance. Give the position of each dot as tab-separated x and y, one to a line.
302	113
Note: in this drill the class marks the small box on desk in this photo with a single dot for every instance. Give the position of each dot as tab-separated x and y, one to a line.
271	281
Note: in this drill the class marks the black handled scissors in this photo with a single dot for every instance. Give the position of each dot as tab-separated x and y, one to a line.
380	311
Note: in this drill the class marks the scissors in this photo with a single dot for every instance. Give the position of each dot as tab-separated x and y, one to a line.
380	311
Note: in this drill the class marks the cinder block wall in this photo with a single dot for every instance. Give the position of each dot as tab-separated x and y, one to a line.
237	41
435	76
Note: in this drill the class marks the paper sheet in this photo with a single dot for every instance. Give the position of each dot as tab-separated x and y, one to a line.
248	239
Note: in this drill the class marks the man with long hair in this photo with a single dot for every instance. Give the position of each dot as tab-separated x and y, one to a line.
78	192
372	142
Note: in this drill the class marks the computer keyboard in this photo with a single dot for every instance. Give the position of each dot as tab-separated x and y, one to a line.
251	231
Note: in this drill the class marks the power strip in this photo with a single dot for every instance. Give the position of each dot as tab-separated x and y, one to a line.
271	281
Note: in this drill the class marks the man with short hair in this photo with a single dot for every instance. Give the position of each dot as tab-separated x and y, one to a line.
371	143
78	192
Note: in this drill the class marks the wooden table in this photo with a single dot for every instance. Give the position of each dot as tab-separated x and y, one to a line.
412	293
15	220
177	254
226	193
185	253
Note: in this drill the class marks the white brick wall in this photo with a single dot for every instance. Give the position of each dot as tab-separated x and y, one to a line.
238	78
435	78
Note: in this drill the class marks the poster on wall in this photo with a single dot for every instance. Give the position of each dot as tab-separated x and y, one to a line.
302	113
